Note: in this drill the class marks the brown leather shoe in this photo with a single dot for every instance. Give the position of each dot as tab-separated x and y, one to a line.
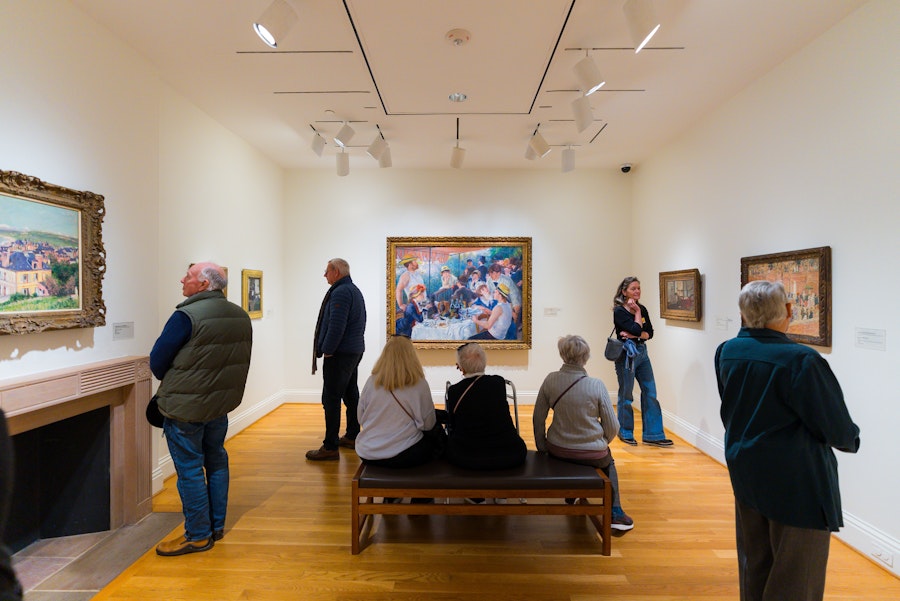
347	443
323	454
182	546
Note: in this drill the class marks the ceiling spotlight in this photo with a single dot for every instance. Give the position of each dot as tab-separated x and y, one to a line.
457	156
385	159
457	97
377	147
642	21
588	75
343	136
581	109
275	23
318	144
539	145
342	162
568	159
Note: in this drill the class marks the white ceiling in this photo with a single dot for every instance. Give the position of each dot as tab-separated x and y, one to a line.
387	63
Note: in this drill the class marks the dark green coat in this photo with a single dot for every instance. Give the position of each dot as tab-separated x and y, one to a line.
209	373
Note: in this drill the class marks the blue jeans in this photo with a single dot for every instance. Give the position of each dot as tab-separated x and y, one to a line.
339	381
201	462
651	413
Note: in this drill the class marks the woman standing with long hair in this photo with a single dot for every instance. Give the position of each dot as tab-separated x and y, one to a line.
632	322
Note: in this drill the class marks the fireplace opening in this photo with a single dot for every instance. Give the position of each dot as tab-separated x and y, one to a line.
62	480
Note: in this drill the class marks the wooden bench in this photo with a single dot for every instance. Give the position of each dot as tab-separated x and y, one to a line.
540	477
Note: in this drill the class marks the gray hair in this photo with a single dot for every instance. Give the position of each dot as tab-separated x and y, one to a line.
762	302
574	350
471	358
215	275
342	266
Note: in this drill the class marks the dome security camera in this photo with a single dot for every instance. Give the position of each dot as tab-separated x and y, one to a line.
626	167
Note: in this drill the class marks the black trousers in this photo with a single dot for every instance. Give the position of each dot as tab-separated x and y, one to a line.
10	590
339	382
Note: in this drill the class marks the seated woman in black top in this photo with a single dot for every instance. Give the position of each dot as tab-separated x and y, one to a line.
482	433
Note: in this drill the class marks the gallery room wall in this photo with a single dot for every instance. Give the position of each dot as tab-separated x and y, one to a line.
81	113
578	222
804	157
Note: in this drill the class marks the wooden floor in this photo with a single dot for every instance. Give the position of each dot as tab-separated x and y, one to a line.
288	537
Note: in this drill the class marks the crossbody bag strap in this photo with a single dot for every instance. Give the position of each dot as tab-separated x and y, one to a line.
566	390
402	407
463	395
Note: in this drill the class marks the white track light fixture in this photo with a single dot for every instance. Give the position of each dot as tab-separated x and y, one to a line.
568	159
589	78
642	21
318	144
344	134
581	110
342	162
377	147
530	154
343	137
275	23
538	144
385	159
457	156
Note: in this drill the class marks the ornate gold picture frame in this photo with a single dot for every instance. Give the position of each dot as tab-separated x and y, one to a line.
252	292
680	295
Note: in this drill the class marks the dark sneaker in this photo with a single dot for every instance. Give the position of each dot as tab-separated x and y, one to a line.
621	521
665	442
323	454
182	546
629	441
218	535
421	501
391	500
347	443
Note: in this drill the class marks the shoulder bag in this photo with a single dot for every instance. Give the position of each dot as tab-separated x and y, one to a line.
614	346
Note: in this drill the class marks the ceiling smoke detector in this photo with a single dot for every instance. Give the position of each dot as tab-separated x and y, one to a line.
458	37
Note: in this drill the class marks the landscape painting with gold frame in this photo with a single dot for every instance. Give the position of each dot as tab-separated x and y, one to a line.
441	291
52	259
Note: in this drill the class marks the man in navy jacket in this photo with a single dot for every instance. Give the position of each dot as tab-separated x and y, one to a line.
339	338
783	412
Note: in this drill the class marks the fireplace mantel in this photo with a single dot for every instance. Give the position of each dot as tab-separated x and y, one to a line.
123	384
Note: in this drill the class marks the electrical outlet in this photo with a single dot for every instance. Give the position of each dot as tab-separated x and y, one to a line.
885	557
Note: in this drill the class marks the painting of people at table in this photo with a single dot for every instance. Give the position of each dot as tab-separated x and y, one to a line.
445	292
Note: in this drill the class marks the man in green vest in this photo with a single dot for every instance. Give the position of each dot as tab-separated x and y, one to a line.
202	358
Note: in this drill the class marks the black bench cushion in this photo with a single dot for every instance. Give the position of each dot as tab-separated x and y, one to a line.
540	471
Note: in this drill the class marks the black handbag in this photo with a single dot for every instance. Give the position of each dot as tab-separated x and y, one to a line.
614	346
154	417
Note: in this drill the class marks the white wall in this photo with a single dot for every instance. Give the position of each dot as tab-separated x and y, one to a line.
80	109
804	157
578	223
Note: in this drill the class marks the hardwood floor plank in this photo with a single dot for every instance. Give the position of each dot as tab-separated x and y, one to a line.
288	537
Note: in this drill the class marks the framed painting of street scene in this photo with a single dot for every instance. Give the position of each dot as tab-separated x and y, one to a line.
52	259
679	295
441	291
806	275
252	292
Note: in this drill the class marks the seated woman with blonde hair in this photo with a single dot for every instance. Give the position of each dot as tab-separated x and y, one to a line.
583	419
396	410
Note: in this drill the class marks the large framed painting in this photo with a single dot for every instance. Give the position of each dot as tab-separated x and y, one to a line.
806	275
252	292
679	295
52	259
441	291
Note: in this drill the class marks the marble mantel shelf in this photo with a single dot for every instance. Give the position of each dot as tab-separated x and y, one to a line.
123	384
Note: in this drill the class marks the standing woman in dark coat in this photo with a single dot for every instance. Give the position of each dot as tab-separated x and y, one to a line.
482	433
632	322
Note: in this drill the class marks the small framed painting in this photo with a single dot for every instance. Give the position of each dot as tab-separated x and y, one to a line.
806	275
679	295
252	292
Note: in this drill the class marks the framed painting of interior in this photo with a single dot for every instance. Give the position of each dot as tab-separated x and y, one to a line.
806	275
680	295
252	292
52	259
441	291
